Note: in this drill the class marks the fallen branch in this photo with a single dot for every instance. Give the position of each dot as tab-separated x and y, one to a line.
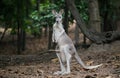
54	51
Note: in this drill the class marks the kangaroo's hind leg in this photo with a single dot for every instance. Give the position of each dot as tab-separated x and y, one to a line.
61	63
62	67
68	59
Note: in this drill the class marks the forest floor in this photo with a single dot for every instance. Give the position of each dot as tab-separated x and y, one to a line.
43	65
36	62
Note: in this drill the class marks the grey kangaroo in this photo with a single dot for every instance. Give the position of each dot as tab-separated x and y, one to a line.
65	46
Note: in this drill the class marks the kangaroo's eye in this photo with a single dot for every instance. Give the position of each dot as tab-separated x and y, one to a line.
59	17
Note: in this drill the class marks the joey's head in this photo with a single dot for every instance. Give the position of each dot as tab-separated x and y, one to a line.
58	16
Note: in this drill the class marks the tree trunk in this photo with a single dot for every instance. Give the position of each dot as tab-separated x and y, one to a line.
76	33
6	27
118	18
46	31
23	39
50	39
20	23
18	27
91	33
94	17
23	32
81	23
65	22
118	25
106	23
37	4
18	37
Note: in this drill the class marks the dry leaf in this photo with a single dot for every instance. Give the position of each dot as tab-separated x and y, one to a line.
54	60
89	62
108	77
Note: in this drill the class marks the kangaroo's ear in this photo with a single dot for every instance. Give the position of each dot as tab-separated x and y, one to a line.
61	11
54	12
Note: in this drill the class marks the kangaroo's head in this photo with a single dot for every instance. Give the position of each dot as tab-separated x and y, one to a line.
58	16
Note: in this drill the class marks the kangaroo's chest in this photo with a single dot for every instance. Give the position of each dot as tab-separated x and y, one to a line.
57	32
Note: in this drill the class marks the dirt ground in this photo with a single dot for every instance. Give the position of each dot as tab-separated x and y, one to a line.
36	62
108	55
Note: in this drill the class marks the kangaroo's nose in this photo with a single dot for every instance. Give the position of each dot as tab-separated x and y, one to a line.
57	21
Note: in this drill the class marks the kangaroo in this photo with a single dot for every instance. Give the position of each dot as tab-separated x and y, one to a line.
65	46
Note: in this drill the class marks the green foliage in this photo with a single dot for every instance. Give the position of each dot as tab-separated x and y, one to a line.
46	17
82	6
42	18
37	19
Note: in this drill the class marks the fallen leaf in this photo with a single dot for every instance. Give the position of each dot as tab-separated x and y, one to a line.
108	77
49	76
54	60
89	62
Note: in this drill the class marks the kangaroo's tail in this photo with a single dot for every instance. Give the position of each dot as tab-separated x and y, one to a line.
84	66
